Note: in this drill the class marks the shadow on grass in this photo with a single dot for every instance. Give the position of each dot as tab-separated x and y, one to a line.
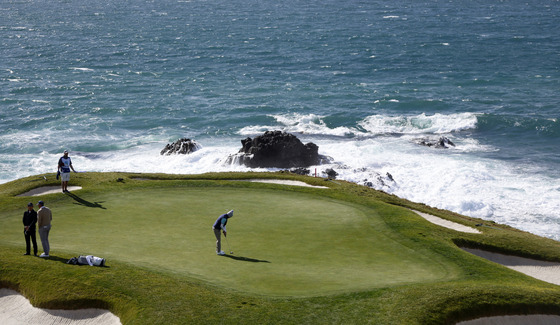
83	202
65	261
245	259
58	307
57	259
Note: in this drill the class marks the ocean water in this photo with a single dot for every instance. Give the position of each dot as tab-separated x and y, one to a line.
114	81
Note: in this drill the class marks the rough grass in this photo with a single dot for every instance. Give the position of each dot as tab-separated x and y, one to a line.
343	255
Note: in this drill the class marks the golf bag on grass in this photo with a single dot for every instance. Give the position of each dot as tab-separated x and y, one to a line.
87	260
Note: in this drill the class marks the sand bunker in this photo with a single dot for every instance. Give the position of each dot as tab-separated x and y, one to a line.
446	223
15	309
542	270
515	320
48	190
284	182
270	181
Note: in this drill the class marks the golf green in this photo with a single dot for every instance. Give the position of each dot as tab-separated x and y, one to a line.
341	253
285	243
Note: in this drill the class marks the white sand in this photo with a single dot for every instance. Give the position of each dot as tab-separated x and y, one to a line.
284	182
48	190
542	270
446	223
15	309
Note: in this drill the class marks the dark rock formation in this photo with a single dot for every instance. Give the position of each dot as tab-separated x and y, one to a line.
276	149
299	171
443	142
182	146
331	173
379	181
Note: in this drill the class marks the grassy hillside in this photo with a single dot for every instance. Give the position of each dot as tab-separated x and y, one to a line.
346	254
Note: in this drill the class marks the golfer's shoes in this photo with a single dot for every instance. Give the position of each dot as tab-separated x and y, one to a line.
43	255
221	253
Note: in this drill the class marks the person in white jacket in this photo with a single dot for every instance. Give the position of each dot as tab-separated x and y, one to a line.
64	166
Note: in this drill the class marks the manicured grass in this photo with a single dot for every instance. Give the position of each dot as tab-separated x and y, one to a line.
347	254
287	243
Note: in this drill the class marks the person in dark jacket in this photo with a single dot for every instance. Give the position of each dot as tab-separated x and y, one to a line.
29	222
220	226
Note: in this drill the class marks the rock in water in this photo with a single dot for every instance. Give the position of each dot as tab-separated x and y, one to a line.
443	142
331	173
277	149
182	146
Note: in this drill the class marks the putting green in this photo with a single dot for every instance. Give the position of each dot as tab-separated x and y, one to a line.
285	243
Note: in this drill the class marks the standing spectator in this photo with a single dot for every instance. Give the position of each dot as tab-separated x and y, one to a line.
29	222
64	166
44	218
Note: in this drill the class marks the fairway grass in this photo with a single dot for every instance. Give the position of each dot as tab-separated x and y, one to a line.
346	254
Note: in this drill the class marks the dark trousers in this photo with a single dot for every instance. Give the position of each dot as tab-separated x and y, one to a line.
30	236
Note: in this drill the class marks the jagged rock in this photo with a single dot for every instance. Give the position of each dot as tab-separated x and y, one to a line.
277	149
331	173
379	181
442	142
299	171
182	146
390	177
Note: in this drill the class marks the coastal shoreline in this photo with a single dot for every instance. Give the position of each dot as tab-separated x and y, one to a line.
407	222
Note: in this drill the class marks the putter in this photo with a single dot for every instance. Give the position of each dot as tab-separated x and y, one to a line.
229	248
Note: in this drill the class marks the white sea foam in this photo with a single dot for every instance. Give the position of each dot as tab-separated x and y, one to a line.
476	187
299	123
436	124
381	153
82	69
450	179
370	126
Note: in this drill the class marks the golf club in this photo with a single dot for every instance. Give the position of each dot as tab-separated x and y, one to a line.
229	248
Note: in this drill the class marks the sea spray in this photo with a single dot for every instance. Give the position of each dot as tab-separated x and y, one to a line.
365	81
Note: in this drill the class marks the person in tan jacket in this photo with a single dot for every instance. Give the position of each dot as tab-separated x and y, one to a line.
44	218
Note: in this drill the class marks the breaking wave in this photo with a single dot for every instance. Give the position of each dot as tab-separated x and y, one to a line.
373	125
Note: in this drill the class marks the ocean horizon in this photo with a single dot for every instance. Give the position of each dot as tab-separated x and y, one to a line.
366	81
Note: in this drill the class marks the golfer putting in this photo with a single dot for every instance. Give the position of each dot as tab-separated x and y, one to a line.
218	227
